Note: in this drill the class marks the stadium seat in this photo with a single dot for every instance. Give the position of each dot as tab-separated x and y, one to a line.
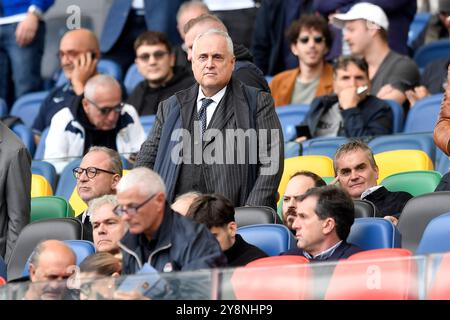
292	149
245	216
417	213
323	146
3	108
40	149
398	116
33	233
3	268
268	79
320	165
364	209
132	78
273	278
25	134
431	51
382	274
436	237
396	161
416	33
40	186
49	208
440	287
273	239
414	182
424	115
82	249
27	107
374	233
442	162
45	169
67	181
147	123
409	141
104	66
2	281
291	116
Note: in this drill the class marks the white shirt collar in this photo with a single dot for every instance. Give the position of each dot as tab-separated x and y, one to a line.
369	191
216	98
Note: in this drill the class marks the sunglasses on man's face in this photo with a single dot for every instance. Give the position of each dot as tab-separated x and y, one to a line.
305	40
158	55
106	110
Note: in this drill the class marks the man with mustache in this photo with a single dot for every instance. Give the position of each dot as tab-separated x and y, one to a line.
299	183
78	53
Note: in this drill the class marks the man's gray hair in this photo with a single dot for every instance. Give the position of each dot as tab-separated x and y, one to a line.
191	4
96	203
115	162
100	80
219	33
148	181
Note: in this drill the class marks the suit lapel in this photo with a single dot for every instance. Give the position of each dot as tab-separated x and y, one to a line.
188	102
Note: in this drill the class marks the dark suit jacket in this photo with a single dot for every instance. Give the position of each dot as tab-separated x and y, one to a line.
343	251
231	113
15	189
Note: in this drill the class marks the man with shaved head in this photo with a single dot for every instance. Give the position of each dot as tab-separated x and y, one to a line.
78	53
51	262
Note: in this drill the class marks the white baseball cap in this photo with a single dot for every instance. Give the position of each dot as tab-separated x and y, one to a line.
363	10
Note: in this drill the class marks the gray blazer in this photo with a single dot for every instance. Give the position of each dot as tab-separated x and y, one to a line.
15	189
231	113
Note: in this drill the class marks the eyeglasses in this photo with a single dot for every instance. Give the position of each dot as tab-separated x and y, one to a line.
317	39
91	172
131	209
106	110
158	55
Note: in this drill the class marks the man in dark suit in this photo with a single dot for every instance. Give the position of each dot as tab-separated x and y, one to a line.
99	173
240	155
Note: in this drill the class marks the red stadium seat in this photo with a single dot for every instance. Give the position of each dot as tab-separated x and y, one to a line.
2	281
382	274
273	278
440	289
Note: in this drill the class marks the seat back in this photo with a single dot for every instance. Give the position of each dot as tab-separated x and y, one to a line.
417	213
45	169
3	108
104	66
383	274
40	186
33	233
40	149
431	51
320	165
414	182
2	268
132	78
442	163
67	181
49	208
82	249
273	278
273	239
27	107
395	161
436	237
398	116
417	28
25	134
291	116
424	115
364	209
147	123
245	216
323	146
440	287
374	233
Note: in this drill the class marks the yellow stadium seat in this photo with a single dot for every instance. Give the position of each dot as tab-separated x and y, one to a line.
320	165
77	204
40	186
396	161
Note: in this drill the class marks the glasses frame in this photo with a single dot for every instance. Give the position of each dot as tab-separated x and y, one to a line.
158	55
120	211
85	170
316	39
106	110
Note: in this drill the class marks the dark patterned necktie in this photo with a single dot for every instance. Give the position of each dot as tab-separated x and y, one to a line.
202	113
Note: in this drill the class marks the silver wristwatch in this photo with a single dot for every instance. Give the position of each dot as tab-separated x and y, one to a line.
35	10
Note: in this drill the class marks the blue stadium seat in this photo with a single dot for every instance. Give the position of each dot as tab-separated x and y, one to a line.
442	162
423	116
374	233
291	116
268	79
398	116
82	249
3	108
414	141
273	239
3	268
417	29
104	66
40	149
147	123
436	237
323	146
27	107
431	51
132	78
67	181
292	149
25	134
46	170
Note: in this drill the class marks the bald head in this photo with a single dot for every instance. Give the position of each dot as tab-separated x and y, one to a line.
53	250
189	10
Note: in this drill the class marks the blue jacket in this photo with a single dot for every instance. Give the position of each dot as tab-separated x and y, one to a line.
159	16
343	251
13	7
181	245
